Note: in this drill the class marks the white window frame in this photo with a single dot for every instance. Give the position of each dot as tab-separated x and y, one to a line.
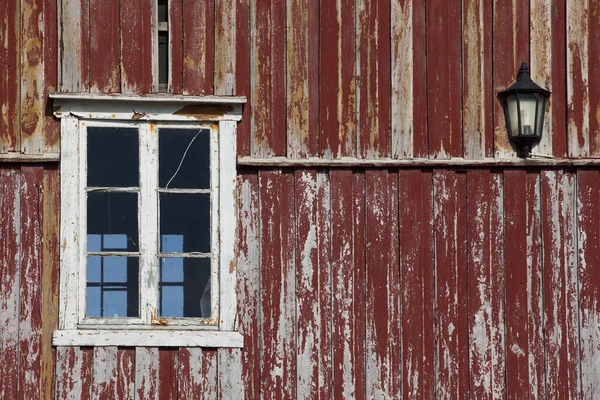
220	114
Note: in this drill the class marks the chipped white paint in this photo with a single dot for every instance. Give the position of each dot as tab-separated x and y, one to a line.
70	375
146	373
402	79
541	61
230	374
516	349
590	351
104	371
577	69
225	46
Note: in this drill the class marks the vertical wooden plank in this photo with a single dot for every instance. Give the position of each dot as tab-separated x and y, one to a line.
594	79
337	69
548	42
10	256
198	47
105	374
444	78
477	79
302	78
560	283
374	85
313	286
381	281
452	329
105	47
30	299
209	387
125	373
249	281
242	72
190	373
32	77
52	126
146	373
524	337
225	20
73	42
588	236
278	371
50	259
347	233
511	48
73	373
230	384
10	69
136	46
486	285
417	284
168	373
176	45
267	82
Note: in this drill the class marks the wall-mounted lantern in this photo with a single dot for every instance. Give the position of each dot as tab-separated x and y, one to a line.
524	104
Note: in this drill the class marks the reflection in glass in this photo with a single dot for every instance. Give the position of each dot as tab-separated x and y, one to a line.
186	215
112	286
184	158
184	287
112	221
113	157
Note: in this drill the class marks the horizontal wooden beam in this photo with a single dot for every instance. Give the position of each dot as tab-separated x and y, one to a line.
150	98
29	158
350	162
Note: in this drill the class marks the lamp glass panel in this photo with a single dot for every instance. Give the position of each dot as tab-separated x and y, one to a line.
540	115
527	108
513	115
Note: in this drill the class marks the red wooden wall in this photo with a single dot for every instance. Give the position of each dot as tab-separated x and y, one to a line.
353	282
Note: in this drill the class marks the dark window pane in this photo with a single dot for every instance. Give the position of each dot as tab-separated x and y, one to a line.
115	217
163	58
162	10
113	157
184	158
112	287
185	287
186	215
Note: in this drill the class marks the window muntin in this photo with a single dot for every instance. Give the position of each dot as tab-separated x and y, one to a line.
169	219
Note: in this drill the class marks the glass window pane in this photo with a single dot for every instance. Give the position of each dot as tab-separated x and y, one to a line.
189	297
112	286
184	158
113	157
527	106
115	217
187	215
171	269
511	104
172	243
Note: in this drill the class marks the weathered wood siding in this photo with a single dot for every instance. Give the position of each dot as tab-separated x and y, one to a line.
352	282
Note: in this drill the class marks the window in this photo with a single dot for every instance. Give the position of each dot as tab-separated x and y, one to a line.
147	220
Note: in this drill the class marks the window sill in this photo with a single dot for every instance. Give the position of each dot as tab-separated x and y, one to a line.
150	338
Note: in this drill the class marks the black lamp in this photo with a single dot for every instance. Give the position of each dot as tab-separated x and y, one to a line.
524	104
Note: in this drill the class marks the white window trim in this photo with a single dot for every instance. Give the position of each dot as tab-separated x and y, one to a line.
223	112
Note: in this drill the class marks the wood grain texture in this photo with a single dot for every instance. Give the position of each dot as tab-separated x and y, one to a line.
243	72
176	43
105	46
337	83
10	69
136	47
347	285
198	47
51	51
560	279
267	81
477	99
146	372
486	285
450	222
49	278
524	337
313	286
10	256
168	374
511	48
32	100
74	43
417	284
444	86
249	281
73	373
302	78
373	54
278	272
225	37
229	379
588	236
